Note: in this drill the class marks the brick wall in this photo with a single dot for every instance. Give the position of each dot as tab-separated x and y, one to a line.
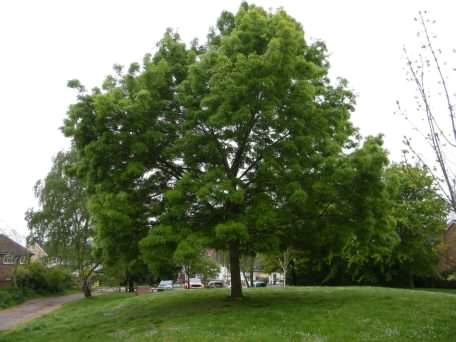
5	274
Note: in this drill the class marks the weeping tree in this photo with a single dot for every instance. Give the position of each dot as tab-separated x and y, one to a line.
429	74
62	222
231	143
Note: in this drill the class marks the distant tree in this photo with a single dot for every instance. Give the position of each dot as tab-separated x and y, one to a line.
62	222
420	214
435	107
189	256
344	218
208	269
280	261
417	213
284	261
248	268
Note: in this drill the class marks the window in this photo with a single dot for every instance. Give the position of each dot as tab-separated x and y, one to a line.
23	260
9	260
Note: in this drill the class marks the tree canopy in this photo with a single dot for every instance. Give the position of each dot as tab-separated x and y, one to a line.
242	143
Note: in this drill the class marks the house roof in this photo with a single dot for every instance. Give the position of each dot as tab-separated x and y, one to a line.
8	246
37	250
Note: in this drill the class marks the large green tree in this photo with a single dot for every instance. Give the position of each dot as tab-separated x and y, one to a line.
230	143
260	117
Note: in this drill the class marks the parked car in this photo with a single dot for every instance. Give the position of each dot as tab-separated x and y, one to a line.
259	284
165	285
216	284
195	283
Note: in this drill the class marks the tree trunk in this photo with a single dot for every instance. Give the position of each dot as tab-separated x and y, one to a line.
252	270
246	280
86	288
235	270
187	275
131	286
411	280
293	273
284	262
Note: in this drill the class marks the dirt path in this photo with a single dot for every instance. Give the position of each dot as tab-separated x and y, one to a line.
33	309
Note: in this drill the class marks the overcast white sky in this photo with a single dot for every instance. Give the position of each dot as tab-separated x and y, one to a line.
45	43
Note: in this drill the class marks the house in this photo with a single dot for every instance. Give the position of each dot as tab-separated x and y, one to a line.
11	254
39	254
448	258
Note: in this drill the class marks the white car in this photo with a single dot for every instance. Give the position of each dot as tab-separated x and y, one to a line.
165	285
259	284
216	284
194	283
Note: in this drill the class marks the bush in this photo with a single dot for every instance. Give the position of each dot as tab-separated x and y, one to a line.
41	279
10	297
59	279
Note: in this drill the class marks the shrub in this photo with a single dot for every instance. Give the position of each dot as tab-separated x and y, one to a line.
39	278
10	297
59	279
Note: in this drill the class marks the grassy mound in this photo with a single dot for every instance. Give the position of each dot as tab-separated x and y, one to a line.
265	314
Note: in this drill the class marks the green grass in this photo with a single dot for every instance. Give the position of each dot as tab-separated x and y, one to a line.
265	314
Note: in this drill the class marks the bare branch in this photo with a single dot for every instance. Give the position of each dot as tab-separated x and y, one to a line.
442	78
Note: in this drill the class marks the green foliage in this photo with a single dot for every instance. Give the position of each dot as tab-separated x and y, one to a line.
62	223
41	279
243	144
167	254
207	268
158	249
420	214
13	296
231	231
406	201
344	212
125	135
370	210
59	279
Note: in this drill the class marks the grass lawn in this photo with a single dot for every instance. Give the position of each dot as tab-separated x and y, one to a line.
265	314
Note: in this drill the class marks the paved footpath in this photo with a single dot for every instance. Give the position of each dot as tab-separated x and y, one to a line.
32	309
